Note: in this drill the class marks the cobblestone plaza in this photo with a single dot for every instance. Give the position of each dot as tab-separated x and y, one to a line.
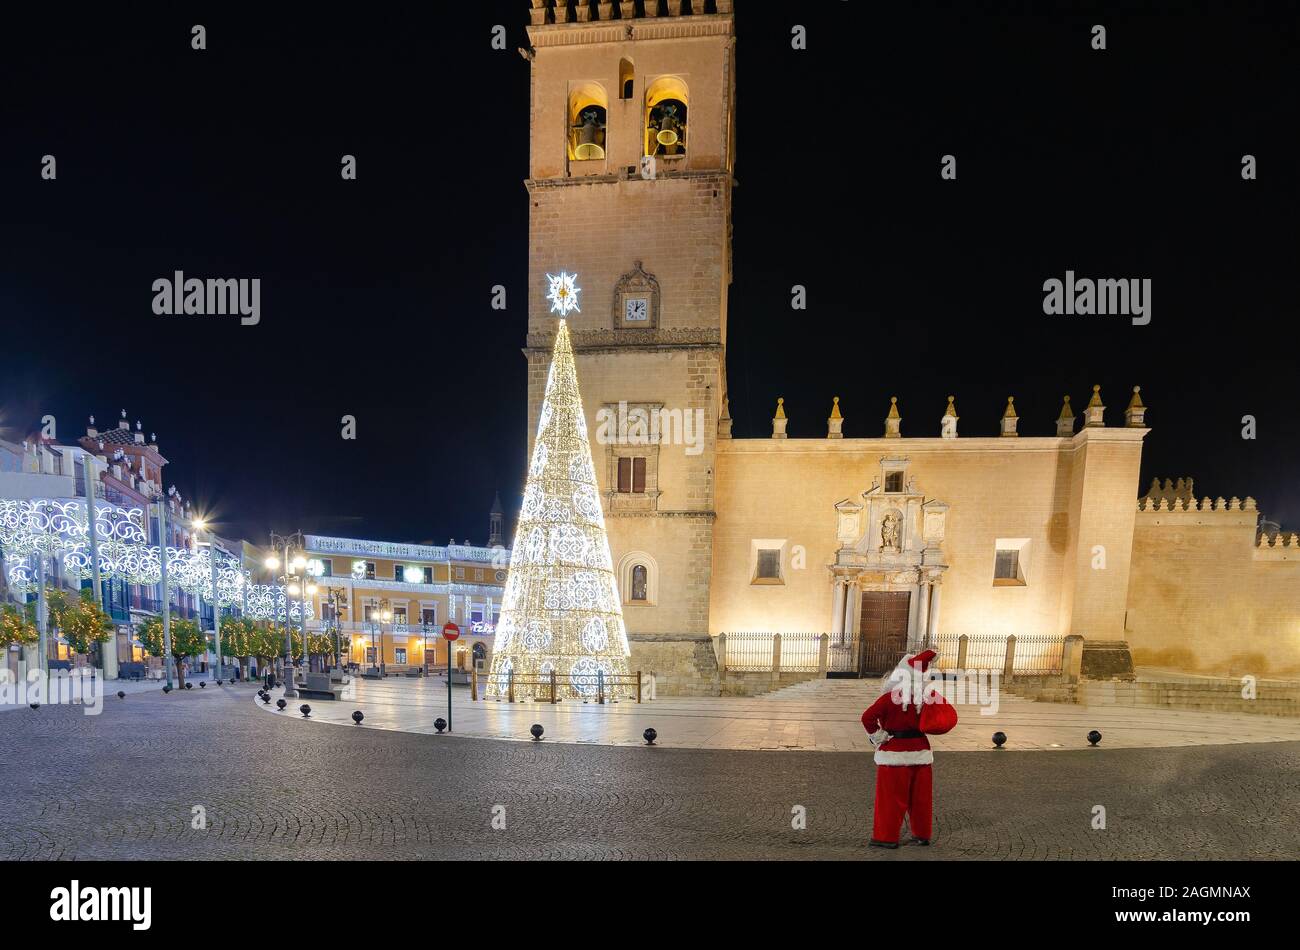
125	785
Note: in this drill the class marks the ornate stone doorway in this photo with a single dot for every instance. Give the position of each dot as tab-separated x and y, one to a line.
884	629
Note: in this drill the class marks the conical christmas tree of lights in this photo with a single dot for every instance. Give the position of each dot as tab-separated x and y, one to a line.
560	611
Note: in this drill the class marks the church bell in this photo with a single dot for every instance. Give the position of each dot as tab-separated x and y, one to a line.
589	146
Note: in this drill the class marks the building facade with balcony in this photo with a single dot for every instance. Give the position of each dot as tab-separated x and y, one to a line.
126	472
392	599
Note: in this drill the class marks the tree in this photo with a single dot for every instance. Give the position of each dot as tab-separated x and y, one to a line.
318	644
187	640
560	612
266	643
84	623
18	626
237	637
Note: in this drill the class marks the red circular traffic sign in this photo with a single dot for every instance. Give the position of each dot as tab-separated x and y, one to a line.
450	631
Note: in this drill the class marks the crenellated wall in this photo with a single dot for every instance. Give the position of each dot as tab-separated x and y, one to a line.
1210	592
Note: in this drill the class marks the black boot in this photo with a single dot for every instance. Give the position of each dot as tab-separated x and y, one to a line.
921	841
884	844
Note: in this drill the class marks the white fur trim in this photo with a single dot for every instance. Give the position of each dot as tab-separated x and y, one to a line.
919	757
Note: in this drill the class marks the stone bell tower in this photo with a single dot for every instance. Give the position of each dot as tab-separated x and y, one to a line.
629	188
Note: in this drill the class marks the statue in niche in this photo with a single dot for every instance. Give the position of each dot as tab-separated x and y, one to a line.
889	531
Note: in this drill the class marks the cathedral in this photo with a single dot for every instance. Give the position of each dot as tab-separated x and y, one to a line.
892	541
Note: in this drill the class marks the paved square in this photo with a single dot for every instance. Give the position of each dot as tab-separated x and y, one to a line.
124	785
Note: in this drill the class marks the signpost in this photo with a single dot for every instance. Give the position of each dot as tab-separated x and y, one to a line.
450	632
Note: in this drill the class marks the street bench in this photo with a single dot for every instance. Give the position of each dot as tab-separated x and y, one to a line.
320	686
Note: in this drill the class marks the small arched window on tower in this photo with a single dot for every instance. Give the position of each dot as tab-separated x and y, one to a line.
665	122
639	583
587	113
625	83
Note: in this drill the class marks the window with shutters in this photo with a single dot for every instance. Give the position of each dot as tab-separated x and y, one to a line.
631	474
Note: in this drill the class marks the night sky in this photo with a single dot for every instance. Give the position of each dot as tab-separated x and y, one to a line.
376	293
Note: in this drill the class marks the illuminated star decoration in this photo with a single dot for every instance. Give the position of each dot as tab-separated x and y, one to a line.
564	293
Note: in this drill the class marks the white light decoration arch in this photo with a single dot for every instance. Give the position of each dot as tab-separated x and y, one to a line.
50	528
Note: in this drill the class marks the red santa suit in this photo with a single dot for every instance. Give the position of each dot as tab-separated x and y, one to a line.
897	725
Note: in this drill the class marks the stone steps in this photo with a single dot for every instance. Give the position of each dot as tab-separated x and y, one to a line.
1203	696
1207	697
1221	696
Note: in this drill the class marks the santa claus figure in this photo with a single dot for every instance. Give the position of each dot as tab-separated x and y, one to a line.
897	725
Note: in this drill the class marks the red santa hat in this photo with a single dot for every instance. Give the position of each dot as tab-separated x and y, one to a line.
908	679
922	660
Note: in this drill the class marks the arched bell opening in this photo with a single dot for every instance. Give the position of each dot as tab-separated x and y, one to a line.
587	123
666	106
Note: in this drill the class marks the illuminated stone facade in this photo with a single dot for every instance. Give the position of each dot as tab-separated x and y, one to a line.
1018	533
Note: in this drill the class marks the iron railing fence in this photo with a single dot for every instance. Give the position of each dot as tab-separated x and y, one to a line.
553	688
1034	654
748	652
847	653
755	652
801	652
1038	655
843	653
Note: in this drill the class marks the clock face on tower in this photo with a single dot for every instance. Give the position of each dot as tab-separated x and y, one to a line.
636	310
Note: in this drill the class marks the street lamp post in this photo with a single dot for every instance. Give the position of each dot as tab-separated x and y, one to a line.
108	650
295	565
200	526
165	606
424	657
379	615
338	600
